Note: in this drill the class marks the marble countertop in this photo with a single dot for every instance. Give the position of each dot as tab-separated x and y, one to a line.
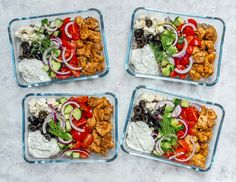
117	17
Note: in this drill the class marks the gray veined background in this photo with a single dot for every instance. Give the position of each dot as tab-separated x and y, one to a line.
117	16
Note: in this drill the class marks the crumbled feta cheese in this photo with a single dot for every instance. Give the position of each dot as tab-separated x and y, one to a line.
36	105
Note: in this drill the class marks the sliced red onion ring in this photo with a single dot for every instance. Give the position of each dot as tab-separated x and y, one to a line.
197	106
187	69
176	155
176	112
49	118
190	156
64	141
154	134
182	52
158	144
57	41
57	72
165	102
76	150
72	124
175	32
66	104
188	25
171	60
186	127
49	28
66	61
66	29
45	54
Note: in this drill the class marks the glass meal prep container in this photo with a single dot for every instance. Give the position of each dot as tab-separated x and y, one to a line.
173	20
15	24
36	147
137	95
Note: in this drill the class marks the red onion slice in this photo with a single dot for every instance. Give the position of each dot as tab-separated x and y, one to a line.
49	118
64	141
186	127
55	58
188	25
66	29
76	150
182	52
171	60
49	28
72	124
165	102
176	112
68	103
187	69
45	54
197	106
176	155
66	61
190	156
57	41
175	32
57	72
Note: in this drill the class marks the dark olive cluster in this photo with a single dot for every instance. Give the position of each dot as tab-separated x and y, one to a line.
30	51
142	114
37	122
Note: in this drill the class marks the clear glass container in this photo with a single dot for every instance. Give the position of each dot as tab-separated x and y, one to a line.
212	143
15	43
112	155
218	23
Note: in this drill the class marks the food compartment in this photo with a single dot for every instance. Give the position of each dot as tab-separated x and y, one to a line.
173	129
58	47
66	128
176	47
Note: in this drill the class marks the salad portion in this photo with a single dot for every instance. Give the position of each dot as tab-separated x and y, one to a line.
176	48
69	127
60	49
175	129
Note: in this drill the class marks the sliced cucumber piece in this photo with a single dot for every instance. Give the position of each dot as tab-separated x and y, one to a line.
61	145
76	155
67	116
45	67
68	109
77	113
57	52
57	33
68	127
68	153
178	21
55	65
58	22
62	100
52	74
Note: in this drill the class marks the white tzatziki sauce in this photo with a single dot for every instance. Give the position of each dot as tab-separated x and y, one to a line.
144	60
40	147
139	137
32	71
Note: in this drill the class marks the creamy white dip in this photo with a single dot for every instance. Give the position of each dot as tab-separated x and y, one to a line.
144	60
32	71
39	147
139	137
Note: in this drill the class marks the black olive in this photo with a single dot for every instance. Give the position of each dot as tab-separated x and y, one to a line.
137	110
142	103
136	118
48	136
140	46
138	33
25	45
145	118
32	127
38	55
42	115
33	120
148	22
150	38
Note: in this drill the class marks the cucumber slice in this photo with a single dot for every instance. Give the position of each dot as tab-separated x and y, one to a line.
52	74
58	22
62	100
61	145
178	21
68	127
57	33
76	155
67	116
45	67
68	153
68	109
77	113
55	65
184	103
57	52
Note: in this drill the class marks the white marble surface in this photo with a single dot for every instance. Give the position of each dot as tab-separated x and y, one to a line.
125	168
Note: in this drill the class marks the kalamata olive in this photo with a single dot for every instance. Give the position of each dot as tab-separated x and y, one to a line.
32	127
150	38
138	33
137	110
42	115
142	104
48	136
33	120
145	118
25	45
136	118
148	22
38	54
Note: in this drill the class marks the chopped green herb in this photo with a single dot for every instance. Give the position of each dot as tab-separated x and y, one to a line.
181	40
56	130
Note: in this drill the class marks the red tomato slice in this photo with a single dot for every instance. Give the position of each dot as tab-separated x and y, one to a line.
179	150
191	124
189	38
77	145
188	31
184	145
84	154
82	99
190	49
193	22
78	136
180	133
168	154
84	107
82	121
88	114
75	73
191	132
180	27
184	61
195	41
192	115
173	74
87	140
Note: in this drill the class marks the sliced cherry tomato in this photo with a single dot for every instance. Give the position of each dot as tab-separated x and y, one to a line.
180	27
191	124
66	20
63	69
82	121
193	22
184	145
195	41
184	156
87	140
180	46
84	107
180	133
179	150
78	136
88	114
77	145
68	44
190	49
189	38
177	61
191	132
75	31
87	129
173	74
168	154
184	61
188	31
192	114
182	76
84	154
75	73
82	99
180	67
